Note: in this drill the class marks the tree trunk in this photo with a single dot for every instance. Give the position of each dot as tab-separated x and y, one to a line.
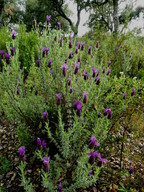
115	15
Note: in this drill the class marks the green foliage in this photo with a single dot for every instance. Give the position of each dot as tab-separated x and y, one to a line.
5	164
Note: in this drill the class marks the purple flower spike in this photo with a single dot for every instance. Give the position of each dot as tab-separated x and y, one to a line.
44	51
90	173
89	51
76	50
94	70
93	143
124	96
36	92
70	44
75	103
18	91
131	170
61	42
97	44
60	187
38	62
106	112
92	156
48	19
85	97
64	67
59	25
109	71
22	153
65	60
101	160
99	115
78	45
55	38
79	109
71	90
38	143
109	63
49	63
69	81
47	50
22	150
7	58
79	59
70	55
46	163
109	114
76	68
82	46
133	92
104	70
70	36
44	145
12	50
13	35
45	115
2	54
59	96
97	80
85	75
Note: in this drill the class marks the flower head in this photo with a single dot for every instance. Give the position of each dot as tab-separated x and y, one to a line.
46	161
133	92
99	115
82	46
92	142
85	75
13	34
97	79
109	63
69	81
71	90
78	45
109	114
76	50
92	156
2	54
101	160
59	25
38	62
48	19
79	58
76	68
104	70
18	91
131	170
94	70
109	71
97	44
90	173
70	55
7	58
85	97
89	51
12	50
22	150
45	115
70	44
36	92
79	109
124	96
60	187
49	63
59	96
44	145
64	67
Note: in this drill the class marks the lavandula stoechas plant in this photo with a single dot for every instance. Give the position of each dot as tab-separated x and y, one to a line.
85	97
2	54
39	143
13	34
